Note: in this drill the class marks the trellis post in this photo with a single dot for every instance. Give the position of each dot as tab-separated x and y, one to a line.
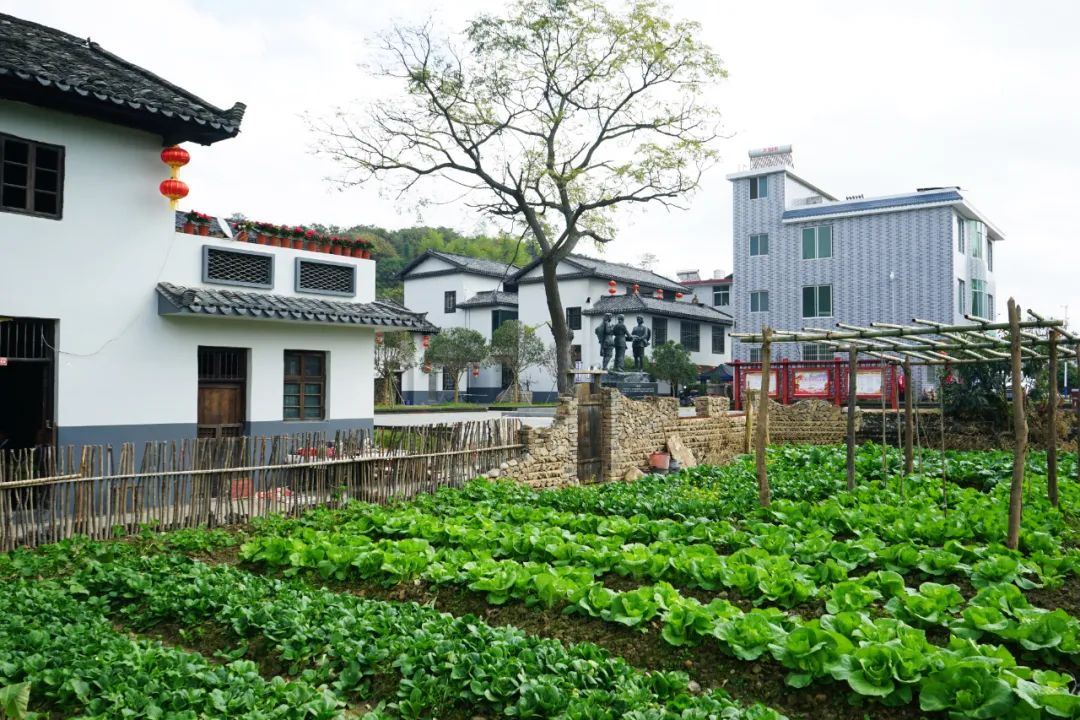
909	424
884	451
853	370
1016	493
1051	423
764	495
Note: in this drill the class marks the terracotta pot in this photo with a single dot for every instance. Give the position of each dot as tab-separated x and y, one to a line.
298	243
204	230
367	254
660	460
242	236
335	249
262	239
313	245
189	227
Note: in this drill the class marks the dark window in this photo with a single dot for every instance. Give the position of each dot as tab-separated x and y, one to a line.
961	297
573	318
659	331
817	301
960	233
450	301
447	380
498	317
759	244
324	277
718	339
690	335
759	187
305	385
575	354
755	355
817	242
31	177
989	254
721	296
759	301
230	267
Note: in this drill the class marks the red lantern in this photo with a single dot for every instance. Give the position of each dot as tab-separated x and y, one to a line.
378	338
637	289
426	341
611	287
427	367
678	296
659	294
174	190
175	157
476	371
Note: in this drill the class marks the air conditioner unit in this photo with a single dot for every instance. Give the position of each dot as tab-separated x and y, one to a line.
814	200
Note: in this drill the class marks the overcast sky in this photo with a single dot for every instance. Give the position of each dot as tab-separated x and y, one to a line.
877	98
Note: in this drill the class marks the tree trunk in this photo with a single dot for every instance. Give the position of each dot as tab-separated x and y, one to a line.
559	330
457	386
1016	493
764	493
1052	426
853	378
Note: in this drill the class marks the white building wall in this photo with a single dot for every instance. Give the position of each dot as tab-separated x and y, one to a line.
124	373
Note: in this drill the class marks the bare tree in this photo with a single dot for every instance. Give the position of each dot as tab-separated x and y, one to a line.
550	117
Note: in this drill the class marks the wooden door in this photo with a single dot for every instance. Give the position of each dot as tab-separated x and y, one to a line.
221	410
590	459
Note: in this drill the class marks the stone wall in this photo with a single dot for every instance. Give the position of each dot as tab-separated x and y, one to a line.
634	429
814	422
550	455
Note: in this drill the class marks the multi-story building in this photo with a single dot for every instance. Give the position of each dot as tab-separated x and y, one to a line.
715	290
804	258
457	291
114	326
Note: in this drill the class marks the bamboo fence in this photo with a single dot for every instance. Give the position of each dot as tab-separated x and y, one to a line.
49	494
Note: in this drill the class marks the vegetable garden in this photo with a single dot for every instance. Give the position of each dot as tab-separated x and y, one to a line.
671	597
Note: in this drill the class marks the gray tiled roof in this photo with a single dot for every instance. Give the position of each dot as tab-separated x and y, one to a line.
476	266
178	300
489	298
631	304
45	66
612	271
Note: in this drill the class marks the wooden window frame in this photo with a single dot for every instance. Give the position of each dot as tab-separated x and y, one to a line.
659	331
303	380
450	302
31	172
573	317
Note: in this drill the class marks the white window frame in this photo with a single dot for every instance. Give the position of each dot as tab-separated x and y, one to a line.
759	237
817	301
816	229
760	294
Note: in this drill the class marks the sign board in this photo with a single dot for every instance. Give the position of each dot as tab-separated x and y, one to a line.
868	383
753	382
580	378
811	382
3	362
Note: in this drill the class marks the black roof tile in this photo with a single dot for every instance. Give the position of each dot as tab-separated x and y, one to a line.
475	266
47	67
179	300
631	304
490	298
594	267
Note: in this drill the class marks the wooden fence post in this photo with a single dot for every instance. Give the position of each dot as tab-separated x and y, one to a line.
1052	426
853	379
1016	493
764	494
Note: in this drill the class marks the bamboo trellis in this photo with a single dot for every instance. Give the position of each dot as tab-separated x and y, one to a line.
929	343
47	495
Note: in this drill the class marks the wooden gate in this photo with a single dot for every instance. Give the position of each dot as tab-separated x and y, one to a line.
222	392
590	421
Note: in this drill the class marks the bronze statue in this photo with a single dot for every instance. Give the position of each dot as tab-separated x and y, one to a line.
607	344
620	334
642	336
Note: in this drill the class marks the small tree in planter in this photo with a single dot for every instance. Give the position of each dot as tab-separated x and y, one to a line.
516	347
671	362
394	352
455	349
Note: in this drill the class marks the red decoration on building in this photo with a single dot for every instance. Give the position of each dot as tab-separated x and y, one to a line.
476	371
637	289
678	296
173	189
426	341
427	367
611	287
175	157
378	338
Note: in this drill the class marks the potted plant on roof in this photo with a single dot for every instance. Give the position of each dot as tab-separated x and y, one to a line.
244	230
296	242
311	240
189	222
262	233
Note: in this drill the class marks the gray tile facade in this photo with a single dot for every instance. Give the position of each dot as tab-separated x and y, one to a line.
887	266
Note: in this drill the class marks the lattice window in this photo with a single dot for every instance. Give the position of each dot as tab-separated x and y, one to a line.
229	267
326	278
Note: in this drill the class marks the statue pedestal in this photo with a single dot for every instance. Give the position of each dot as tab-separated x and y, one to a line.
632	384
